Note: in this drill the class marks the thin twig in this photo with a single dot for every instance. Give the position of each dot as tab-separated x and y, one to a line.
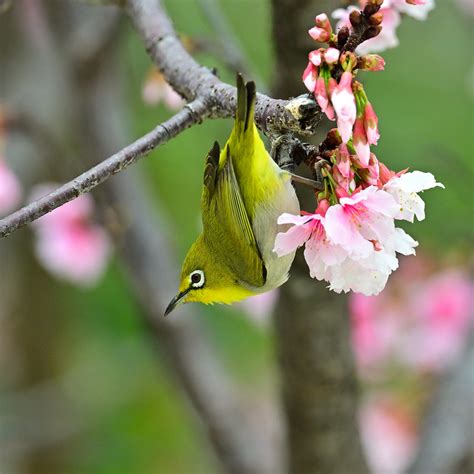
189	115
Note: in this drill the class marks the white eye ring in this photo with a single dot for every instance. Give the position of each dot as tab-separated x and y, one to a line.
197	279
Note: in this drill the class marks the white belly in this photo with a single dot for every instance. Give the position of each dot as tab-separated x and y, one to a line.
265	228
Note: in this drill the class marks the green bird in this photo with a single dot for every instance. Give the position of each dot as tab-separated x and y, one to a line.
243	195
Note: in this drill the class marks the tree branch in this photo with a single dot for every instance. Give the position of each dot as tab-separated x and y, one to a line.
191	80
189	115
209	98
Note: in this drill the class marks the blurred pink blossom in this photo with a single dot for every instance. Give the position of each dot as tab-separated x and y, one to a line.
445	305
415	8
388	434
422	325
68	244
156	90
10	189
376	328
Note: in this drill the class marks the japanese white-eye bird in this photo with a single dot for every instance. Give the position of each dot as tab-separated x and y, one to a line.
243	195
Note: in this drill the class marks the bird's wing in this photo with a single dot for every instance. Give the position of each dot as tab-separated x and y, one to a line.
227	227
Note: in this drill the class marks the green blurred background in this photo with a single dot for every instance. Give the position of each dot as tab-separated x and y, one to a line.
131	418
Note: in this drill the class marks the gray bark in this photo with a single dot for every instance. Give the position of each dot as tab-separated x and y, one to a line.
318	379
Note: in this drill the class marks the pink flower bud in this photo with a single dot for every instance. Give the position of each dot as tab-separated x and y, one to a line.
359	139
318	34
310	76
332	85
322	98
343	161
315	57
371	124
323	206
322	21
385	175
331	56
343	101
372	62
373	169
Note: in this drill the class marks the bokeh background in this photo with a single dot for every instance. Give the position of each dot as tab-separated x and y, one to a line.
82	385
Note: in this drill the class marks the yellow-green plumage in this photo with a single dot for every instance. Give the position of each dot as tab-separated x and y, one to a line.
244	192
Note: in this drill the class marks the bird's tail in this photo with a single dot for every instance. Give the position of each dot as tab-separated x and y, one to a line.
246	95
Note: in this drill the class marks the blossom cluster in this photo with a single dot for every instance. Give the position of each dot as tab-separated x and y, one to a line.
392	11
68	243
351	240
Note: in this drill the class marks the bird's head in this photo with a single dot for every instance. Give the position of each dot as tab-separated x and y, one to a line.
205	279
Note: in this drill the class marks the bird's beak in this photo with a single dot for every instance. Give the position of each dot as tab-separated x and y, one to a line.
176	301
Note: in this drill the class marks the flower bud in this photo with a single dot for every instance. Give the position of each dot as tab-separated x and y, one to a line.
315	57
354	17
342	36
371	62
371	124
318	34
359	140
331	56
372	32
310	75
376	18
322	21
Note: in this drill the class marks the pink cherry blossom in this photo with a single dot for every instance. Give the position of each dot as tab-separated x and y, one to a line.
363	256
68	244
10	189
357	221
74	252
404	189
320	253
388	434
310	76
344	104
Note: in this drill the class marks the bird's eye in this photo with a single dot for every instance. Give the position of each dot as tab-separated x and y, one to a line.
197	279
